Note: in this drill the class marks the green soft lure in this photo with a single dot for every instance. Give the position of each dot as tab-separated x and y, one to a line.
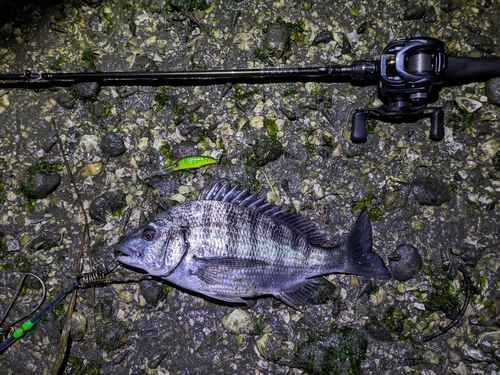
189	162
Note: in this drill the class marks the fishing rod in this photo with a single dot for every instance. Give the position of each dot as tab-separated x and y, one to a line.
409	75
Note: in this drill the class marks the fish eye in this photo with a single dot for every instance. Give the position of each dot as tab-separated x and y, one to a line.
148	234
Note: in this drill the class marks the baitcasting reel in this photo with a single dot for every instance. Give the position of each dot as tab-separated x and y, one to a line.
410	69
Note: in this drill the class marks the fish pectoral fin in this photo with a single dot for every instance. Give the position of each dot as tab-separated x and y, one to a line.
299	295
218	270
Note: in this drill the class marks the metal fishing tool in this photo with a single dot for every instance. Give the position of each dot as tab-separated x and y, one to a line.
189	162
409	75
85	280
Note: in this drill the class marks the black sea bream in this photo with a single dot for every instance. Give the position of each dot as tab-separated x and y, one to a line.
231	244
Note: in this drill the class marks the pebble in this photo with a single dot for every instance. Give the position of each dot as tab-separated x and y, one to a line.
346	45
414	12
482	43
112	335
429	191
42	184
405	262
87	90
104	202
91	169
324	36
493	91
112	144
65	99
151	290
238	321
277	38
78	326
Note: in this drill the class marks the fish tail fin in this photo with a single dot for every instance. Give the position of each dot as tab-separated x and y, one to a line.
360	259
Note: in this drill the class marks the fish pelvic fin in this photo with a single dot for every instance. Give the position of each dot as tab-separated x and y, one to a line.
360	258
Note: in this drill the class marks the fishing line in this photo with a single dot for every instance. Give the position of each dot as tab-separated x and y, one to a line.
84	280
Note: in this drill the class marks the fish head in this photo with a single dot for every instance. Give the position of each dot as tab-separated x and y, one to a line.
156	247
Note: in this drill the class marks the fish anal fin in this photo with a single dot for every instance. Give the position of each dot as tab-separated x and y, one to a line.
299	295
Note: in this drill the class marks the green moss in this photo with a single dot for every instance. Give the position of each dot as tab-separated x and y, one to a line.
73	364
261	55
375	213
91	368
444	297
56	65
43	167
271	127
395	320
260	322
166	151
316	91
327	141
160	99
364	202
462	120
371	125
296	30
265	150
88	58
340	352
239	94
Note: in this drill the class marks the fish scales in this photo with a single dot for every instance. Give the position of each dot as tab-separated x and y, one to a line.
231	245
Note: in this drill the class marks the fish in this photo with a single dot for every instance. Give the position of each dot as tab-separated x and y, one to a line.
232	245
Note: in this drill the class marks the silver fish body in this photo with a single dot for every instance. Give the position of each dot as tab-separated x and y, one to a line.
231	245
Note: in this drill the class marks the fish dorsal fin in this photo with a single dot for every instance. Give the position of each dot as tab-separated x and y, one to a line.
236	195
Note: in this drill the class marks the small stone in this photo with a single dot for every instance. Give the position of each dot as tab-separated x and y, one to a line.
91	169
405	262
238	321
378	332
109	200
42	184
78	326
48	141
346	45
324	36
429	191
493	91
66	100
414	12
151	290
126	296
270	346
112	145
482	43
87	90
468	105
277	39
111	336
89	142
12	245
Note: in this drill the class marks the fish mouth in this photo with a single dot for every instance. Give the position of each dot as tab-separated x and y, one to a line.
129	257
